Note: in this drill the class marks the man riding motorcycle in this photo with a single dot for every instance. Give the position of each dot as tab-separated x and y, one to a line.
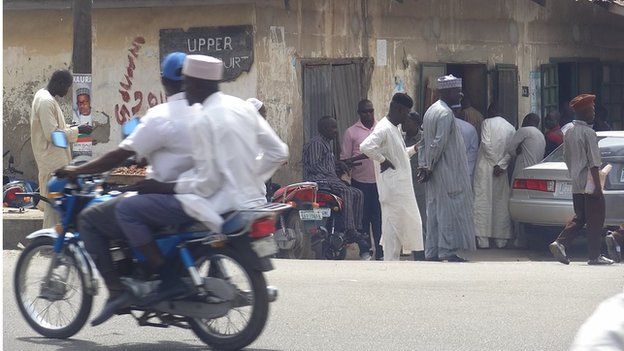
162	139
227	136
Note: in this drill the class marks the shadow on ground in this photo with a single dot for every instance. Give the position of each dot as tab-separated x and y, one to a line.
81	345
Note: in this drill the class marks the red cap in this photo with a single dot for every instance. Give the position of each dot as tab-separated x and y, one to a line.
582	101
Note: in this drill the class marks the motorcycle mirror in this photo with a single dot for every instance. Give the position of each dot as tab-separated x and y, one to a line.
129	126
59	139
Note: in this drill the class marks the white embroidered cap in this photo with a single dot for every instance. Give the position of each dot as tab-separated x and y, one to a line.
203	67
256	103
448	82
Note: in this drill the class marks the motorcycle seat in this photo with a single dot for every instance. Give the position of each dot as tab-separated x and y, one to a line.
234	223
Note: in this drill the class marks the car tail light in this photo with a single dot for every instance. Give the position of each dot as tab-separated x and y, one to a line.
262	228
535	184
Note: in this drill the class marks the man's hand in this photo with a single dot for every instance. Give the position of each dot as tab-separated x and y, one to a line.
85	129
385	165
498	171
151	186
69	172
423	175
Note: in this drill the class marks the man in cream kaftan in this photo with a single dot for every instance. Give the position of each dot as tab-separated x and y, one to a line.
491	184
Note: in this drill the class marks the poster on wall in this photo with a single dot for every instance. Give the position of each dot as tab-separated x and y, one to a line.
231	44
81	114
534	91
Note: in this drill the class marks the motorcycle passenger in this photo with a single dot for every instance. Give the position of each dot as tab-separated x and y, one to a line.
234	152
319	165
163	139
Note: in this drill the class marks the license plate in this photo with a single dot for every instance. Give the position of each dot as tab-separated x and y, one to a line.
563	189
264	247
310	215
325	212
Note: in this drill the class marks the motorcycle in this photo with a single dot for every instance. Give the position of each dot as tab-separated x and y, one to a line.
13	183
227	300
312	228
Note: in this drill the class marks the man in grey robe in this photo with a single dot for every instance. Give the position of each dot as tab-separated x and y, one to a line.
442	160
527	145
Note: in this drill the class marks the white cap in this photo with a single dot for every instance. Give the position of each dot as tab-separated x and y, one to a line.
203	67
256	103
448	82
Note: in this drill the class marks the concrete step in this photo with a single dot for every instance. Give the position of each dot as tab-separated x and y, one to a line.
17	225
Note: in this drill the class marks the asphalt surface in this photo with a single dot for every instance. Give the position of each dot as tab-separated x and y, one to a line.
508	300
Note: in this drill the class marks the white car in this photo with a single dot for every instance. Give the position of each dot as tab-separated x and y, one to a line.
542	194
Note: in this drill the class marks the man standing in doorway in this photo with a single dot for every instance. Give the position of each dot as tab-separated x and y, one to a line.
46	117
582	156
442	160
491	185
319	165
472	115
402	226
363	175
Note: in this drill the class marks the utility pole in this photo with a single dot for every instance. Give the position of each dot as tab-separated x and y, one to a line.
81	55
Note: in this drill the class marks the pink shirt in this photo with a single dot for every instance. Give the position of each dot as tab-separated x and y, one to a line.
354	136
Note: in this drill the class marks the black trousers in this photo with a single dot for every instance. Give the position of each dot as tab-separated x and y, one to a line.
372	213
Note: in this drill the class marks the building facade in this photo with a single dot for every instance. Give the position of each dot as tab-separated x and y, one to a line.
309	58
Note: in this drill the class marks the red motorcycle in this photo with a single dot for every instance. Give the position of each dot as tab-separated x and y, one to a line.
310	229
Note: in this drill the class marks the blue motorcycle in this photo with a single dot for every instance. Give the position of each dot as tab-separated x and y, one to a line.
227	299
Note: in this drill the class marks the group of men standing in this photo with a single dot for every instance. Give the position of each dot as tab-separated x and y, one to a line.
442	182
384	176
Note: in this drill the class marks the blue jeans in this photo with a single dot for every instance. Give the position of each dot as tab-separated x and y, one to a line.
138	216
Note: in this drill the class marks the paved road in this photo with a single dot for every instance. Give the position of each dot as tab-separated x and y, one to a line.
522	304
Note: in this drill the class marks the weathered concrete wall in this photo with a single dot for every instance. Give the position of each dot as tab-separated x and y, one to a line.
476	31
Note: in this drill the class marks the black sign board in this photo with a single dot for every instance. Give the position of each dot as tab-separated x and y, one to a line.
232	44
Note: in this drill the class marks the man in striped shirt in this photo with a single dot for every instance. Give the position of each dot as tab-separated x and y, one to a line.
319	165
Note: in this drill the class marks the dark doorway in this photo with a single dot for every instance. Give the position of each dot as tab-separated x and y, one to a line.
566	74
474	82
333	88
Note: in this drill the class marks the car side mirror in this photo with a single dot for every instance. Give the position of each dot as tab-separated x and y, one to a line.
59	139
130	126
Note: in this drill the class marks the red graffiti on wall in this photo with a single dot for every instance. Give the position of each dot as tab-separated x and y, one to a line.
122	113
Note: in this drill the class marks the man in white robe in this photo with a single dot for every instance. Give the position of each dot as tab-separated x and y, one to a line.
401	226
442	161
491	184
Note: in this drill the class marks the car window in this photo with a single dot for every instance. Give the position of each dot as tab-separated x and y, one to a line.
555	156
611	146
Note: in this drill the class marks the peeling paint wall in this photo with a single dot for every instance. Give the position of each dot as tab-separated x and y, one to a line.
515	32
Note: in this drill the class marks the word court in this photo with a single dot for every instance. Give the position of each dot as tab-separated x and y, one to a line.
231	44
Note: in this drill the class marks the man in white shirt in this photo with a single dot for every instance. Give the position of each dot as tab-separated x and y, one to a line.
163	138
234	152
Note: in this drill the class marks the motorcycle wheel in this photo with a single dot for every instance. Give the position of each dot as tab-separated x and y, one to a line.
302	248
43	307
242	324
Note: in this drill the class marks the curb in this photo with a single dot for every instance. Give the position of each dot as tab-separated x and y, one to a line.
17	225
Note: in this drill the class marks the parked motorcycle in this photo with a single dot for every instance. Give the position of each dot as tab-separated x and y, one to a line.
227	300
312	228
13	183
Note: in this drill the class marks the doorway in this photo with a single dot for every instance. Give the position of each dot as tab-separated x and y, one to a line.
333	87
474	82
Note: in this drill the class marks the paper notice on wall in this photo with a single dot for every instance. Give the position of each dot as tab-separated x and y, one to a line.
382	53
81	109
534	91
